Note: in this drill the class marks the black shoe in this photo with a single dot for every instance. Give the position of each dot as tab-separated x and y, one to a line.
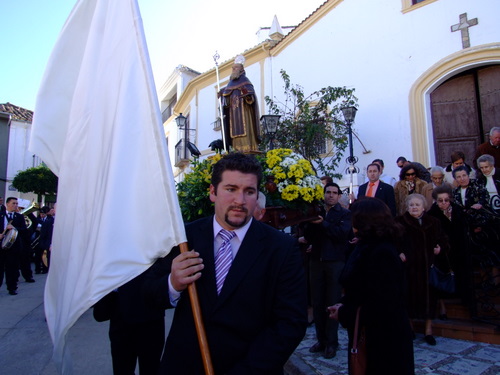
12	292
30	280
330	351
316	348
443	317
429	339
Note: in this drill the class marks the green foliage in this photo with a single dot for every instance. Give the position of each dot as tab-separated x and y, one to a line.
194	190
307	122
39	180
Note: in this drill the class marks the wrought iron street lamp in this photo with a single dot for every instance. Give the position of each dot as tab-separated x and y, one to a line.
182	125
270	126
349	115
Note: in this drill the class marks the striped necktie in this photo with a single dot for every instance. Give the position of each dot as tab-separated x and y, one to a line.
223	258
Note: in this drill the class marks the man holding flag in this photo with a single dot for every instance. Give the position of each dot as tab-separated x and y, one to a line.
250	281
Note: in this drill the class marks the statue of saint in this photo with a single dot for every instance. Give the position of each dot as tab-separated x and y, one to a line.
241	112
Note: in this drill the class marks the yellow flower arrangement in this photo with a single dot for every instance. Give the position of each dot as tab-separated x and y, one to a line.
294	176
194	190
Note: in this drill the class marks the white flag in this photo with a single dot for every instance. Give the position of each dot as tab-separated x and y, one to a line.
97	125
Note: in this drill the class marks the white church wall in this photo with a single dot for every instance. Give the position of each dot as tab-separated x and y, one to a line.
376	49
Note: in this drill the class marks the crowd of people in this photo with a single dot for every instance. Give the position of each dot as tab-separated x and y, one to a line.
24	239
368	258
365	265
428	218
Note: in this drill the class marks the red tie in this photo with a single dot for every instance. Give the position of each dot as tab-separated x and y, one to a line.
370	190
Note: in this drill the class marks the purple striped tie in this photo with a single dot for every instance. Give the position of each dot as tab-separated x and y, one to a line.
223	258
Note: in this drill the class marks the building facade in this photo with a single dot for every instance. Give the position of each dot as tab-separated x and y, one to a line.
426	74
15	130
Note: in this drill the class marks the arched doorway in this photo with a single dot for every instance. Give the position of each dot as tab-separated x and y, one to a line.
464	108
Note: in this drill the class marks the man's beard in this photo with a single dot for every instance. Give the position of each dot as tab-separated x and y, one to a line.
235	76
235	224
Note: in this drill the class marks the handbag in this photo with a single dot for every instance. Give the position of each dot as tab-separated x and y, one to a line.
357	355
442	281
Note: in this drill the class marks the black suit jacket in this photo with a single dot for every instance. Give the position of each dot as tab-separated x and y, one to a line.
46	233
385	192
259	318
19	223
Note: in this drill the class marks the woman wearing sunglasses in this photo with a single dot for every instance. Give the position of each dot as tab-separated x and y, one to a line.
409	183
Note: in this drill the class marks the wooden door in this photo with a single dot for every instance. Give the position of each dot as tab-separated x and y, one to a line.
464	109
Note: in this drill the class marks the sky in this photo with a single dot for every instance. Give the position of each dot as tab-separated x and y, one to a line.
178	32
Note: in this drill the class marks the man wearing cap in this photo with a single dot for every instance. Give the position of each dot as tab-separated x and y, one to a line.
241	112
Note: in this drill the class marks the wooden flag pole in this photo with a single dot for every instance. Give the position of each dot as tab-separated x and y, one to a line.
198	321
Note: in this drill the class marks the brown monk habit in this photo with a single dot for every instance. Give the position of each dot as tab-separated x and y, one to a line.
241	115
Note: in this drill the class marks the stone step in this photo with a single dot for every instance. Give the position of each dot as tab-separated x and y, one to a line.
463	329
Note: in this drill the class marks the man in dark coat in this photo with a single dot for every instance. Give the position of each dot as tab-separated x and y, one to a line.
491	147
9	257
377	188
45	241
329	237
26	253
136	328
254	317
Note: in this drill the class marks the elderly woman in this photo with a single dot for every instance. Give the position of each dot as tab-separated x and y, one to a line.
409	183
454	223
373	279
437	179
424	242
457	160
489	178
471	196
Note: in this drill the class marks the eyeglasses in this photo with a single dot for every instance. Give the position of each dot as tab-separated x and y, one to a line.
443	200
410	174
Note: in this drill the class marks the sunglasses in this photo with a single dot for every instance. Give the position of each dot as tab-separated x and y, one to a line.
410	174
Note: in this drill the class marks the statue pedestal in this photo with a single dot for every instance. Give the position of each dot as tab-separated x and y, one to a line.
282	217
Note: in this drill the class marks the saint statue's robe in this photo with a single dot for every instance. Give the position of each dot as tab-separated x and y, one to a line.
241	115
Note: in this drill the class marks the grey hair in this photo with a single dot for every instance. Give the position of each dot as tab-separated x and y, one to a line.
418	196
494	129
486	158
437	169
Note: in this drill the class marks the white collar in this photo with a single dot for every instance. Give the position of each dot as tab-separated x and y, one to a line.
240	232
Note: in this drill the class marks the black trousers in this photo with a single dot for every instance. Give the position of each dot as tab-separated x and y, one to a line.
25	261
325	291
136	341
9	265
